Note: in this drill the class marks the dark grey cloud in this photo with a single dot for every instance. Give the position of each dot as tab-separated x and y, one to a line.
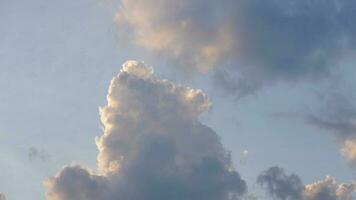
249	43
153	147
282	186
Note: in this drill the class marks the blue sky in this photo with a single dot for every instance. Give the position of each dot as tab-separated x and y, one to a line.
56	62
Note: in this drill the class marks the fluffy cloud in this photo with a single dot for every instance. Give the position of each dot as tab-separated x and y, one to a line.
348	150
249	42
328	189
289	187
153	146
75	182
339	118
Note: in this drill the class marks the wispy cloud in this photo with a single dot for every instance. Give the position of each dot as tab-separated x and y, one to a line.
35	154
338	117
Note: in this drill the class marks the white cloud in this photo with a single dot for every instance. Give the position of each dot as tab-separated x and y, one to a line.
328	189
153	146
289	187
348	150
244	153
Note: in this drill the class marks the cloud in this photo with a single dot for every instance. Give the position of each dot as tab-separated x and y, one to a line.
2	196
281	186
328	189
348	150
248	42
289	187
338	117
38	154
153	146
243	157
244	153
77	183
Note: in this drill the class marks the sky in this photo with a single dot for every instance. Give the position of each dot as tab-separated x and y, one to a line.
186	99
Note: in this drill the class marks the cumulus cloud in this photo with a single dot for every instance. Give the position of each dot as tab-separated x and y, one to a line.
248	42
153	146
338	117
289	187
328	189
75	182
